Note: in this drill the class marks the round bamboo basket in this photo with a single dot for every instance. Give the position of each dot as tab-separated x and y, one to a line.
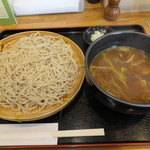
19	116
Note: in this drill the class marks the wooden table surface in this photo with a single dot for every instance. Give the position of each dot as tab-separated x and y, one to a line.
92	15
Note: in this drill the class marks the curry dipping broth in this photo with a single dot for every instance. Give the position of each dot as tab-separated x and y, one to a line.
123	72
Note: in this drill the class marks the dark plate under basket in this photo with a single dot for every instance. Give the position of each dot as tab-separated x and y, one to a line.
82	113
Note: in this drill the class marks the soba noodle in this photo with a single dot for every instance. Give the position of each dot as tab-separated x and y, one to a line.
36	71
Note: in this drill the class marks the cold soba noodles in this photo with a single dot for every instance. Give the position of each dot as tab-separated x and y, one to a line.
123	72
36	71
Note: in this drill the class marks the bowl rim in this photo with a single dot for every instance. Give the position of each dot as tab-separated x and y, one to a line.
95	84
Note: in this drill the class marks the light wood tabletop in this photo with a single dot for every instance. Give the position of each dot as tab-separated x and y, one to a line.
92	15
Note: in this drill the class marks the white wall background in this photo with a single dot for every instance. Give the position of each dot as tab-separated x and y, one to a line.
132	5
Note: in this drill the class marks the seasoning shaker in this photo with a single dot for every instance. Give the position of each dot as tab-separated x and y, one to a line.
112	10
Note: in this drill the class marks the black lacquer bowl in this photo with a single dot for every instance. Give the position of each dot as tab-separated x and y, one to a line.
90	31
131	39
